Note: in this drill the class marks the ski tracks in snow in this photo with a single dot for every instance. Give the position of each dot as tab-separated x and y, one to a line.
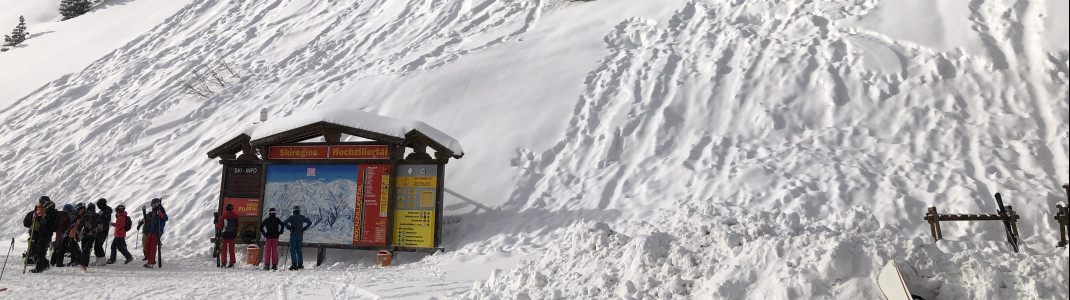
785	104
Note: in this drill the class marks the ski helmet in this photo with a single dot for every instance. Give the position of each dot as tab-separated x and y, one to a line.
91	207
297	209
271	211
44	199
155	202
230	207
79	207
68	208
120	208
102	202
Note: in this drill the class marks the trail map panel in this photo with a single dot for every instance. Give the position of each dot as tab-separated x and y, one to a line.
370	215
414	210
326	193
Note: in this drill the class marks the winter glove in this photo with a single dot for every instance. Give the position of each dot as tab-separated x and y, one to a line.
139	223
159	213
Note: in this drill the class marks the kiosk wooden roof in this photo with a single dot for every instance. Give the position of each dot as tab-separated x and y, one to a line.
331	125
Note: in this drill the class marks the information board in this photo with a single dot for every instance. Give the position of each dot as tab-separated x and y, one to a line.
369	227
345	203
414	210
243	181
244	207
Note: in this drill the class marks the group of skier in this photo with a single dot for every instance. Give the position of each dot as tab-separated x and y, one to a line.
271	228
80	228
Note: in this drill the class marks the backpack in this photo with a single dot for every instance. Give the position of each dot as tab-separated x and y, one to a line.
128	223
230	225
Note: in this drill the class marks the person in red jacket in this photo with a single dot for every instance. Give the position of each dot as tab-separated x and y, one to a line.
229	226
122	225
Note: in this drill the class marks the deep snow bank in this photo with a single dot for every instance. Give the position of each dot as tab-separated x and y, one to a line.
721	251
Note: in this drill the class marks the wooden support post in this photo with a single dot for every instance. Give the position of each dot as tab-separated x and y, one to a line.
320	256
1014	221
933	219
939	230
1062	216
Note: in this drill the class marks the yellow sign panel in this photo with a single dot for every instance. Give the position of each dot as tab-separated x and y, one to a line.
414	228
417	181
415	203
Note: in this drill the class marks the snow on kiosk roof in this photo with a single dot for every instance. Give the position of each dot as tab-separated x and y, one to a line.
330	123
367	195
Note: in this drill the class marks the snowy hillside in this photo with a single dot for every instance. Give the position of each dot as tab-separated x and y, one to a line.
613	149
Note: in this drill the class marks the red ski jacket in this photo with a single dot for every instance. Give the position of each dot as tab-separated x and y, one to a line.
120	225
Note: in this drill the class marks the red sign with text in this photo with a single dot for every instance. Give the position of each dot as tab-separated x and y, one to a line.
360	152
370	216
244	207
330	152
298	152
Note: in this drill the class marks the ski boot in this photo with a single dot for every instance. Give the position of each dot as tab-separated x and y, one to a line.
111	261
128	260
230	265
274	267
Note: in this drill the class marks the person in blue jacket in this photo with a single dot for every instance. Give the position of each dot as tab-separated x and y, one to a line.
297	224
157	221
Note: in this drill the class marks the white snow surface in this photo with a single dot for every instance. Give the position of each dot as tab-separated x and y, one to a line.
617	149
356	119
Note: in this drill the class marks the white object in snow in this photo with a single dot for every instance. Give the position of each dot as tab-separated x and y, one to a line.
891	283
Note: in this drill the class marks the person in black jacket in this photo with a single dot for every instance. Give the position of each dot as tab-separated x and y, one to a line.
44	218
271	228
98	244
92	227
68	236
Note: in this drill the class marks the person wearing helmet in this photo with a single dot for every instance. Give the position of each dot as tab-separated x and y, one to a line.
157	221
58	247
98	244
43	221
229	227
122	225
297	224
271	228
92	227
69	243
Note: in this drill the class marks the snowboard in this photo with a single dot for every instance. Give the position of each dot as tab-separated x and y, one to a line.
892	284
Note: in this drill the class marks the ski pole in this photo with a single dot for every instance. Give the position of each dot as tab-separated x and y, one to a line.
6	257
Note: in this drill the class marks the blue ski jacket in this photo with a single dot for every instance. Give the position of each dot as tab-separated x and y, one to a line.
157	221
296	224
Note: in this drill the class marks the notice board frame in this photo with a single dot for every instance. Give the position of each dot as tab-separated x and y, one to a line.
395	164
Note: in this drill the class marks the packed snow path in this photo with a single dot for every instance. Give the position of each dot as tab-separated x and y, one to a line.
198	278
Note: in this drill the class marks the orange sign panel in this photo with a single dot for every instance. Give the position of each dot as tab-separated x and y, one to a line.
360	152
298	152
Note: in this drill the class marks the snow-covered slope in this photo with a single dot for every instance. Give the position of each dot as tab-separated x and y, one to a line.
735	149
